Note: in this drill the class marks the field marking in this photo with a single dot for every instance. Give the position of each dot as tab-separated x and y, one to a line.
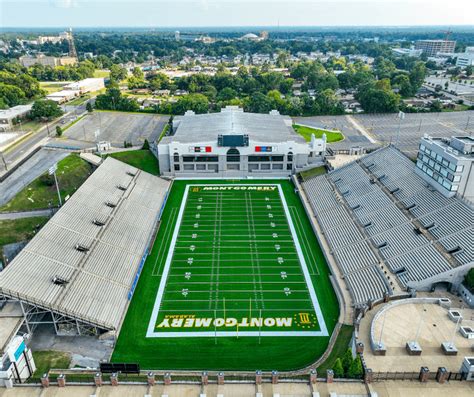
163	241
156	308
308	245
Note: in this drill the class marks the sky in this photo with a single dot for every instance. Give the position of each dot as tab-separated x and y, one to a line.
172	13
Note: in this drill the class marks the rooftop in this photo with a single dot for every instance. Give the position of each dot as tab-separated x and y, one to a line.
273	127
93	245
14	111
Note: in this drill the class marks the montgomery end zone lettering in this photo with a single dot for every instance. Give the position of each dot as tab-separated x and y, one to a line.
259	188
304	320
207	322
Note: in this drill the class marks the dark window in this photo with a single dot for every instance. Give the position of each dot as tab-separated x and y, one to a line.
289	166
233	156
277	158
254	159
200	159
176	157
176	167
290	156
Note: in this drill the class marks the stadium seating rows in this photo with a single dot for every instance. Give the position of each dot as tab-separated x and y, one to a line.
363	195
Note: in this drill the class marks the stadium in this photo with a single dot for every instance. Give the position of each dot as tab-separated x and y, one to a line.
259	272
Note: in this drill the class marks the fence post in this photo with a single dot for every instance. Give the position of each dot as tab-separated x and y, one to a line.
61	380
368	376
98	379
220	378
45	380
167	378
150	379
313	376
204	378
114	379
442	375
424	373
258	377
274	377
329	376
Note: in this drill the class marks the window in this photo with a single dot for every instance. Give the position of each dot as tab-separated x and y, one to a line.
454	188
188	167
265	167
176	157
289	166
445	162
437	167
253	167
289	156
200	167
233	156
431	163
176	167
457	178
277	166
422	147
254	159
452	166
459	168
439	158
444	172
200	159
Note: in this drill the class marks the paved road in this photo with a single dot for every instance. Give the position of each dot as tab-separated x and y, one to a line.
27	172
25	214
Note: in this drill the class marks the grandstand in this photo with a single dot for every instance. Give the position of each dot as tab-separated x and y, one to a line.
388	230
80	270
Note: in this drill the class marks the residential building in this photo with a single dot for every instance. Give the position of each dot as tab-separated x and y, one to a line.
432	47
411	52
233	143
447	165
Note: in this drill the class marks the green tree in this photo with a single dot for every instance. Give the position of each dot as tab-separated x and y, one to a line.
59	130
89	107
45	109
118	73
468	70
402	81
355	370
417	75
469	279
338	369
196	102
347	360
11	95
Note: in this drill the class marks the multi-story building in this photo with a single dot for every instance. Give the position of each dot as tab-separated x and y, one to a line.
432	47
466	58
236	144
9	117
447	164
45	60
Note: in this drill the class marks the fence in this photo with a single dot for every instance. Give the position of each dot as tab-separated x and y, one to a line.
431	376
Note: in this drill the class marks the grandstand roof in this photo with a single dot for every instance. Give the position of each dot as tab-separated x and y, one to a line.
273	127
377	210
99	279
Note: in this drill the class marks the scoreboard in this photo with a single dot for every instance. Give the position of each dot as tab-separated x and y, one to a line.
200	149
264	149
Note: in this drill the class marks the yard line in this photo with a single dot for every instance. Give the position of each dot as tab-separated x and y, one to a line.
163	241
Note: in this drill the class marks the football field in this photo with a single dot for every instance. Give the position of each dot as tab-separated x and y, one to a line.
235	280
235	266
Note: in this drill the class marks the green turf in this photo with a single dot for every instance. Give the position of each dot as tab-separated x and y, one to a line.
47	359
224	353
16	230
316	171
39	194
141	159
305	132
340	346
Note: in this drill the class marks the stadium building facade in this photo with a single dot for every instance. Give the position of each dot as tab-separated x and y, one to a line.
233	143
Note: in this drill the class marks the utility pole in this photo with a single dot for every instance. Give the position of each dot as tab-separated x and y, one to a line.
52	171
4	162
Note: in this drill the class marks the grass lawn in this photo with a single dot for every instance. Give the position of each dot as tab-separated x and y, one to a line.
340	347
141	159
306	132
49	359
30	125
316	171
101	73
16	230
72	172
229	352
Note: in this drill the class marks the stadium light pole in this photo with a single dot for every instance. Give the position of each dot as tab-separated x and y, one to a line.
260	327
215	327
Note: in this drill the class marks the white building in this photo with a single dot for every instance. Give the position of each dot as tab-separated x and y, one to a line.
63	95
8	117
466	58
236	144
86	85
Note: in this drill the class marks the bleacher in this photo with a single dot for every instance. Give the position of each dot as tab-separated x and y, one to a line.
376	204
95	243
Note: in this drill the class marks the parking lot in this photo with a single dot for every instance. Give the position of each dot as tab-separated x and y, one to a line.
383	128
116	128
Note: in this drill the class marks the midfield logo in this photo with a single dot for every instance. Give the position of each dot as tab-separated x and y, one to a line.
189	321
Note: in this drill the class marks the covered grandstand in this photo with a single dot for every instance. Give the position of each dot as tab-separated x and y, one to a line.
80	270
388	230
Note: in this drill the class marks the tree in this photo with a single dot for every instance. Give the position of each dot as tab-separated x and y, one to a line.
59	130
402	81
347	360
469	70
146	145
417	75
196	102
355	370
118	73
45	109
446	85
89	107
378	98
11	95
338	369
